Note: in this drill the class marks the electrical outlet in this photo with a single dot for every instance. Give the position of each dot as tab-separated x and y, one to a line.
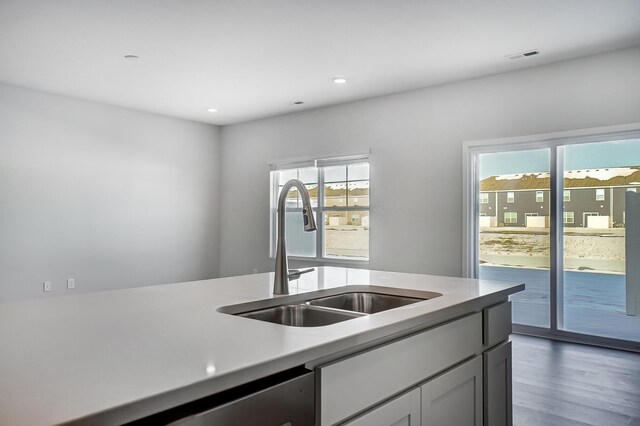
71	283
46	286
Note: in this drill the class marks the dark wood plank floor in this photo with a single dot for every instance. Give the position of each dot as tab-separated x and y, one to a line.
558	383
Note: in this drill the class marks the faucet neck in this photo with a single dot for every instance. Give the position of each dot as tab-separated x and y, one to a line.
281	281
282	200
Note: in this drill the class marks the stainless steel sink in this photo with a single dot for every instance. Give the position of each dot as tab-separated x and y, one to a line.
368	303
328	306
301	315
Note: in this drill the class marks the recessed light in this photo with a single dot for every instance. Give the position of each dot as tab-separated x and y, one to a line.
339	80
212	110
131	57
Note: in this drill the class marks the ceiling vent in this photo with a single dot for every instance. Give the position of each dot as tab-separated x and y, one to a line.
523	54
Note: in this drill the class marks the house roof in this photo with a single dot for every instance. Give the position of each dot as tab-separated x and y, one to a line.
615	176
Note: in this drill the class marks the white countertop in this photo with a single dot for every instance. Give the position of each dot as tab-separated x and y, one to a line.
126	353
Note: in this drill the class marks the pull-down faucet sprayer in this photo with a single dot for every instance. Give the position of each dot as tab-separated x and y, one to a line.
281	282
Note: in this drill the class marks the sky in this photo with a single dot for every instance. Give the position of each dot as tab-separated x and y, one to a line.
582	156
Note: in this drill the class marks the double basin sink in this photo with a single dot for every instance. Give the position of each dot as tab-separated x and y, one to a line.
325	307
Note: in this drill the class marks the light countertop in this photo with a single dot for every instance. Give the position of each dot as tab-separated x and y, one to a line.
117	355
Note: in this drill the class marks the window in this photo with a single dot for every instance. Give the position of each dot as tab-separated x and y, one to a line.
530	214
339	192
484	198
511	197
600	194
631	189
539	196
566	195
510	217
568	217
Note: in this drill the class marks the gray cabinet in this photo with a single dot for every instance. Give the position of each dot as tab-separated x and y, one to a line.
497	386
496	324
455	397
401	411
457	373
355	384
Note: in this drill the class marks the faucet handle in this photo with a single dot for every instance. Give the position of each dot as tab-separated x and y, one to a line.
294	274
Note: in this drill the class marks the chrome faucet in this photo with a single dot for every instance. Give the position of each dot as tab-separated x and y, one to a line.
281	282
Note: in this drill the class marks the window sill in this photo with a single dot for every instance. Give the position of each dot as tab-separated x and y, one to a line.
328	261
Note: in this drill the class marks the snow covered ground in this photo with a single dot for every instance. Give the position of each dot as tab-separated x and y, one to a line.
600	250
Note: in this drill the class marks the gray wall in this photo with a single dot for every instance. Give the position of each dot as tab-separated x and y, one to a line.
118	198
108	196
416	153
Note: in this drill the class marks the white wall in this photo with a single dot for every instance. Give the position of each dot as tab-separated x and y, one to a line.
416	153
111	197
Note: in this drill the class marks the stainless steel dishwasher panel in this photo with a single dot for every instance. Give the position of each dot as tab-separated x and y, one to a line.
289	403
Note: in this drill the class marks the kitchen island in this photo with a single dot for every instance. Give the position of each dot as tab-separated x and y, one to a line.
117	356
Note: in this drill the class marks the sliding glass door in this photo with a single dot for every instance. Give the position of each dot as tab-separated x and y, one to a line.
597	177
513	217
555	216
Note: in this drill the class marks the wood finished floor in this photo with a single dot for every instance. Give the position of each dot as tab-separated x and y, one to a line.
558	383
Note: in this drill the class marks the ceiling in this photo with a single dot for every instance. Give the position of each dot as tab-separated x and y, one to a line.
255	58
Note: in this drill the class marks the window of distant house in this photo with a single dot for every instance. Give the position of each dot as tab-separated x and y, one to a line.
339	191
631	189
484	198
567	217
539	196
510	217
566	195
600	194
511	197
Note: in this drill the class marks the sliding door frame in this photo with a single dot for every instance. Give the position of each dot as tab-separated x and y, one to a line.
555	142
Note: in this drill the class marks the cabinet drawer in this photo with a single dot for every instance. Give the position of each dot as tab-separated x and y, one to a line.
353	384
496	324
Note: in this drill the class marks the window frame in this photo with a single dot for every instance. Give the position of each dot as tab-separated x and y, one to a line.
484	198
320	210
470	222
566	195
601	194
511	197
513	218
565	216
541	198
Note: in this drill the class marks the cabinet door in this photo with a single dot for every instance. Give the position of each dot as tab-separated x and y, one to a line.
352	385
497	386
401	411
455	397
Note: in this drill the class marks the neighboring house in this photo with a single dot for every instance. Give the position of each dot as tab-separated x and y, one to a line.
592	198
